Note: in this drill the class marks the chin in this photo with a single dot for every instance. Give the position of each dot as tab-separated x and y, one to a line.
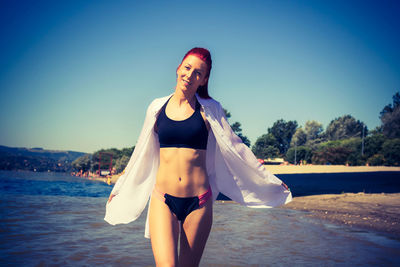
183	88
186	89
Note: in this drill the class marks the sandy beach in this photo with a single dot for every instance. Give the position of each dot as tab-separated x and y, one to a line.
377	212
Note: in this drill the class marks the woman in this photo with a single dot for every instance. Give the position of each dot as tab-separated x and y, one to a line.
186	154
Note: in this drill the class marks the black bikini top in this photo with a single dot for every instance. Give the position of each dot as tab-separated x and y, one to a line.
191	132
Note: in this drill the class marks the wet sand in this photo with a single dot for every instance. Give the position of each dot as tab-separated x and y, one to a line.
377	212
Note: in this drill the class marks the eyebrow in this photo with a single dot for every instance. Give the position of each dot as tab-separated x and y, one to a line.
196	69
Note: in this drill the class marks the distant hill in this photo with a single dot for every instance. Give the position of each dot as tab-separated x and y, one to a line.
37	159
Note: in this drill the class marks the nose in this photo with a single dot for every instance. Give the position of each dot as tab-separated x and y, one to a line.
189	74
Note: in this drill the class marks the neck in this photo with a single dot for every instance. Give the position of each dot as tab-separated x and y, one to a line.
182	97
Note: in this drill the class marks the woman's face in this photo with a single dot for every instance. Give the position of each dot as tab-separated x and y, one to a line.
191	73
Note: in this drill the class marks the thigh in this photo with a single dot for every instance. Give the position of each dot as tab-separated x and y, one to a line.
194	234
164	232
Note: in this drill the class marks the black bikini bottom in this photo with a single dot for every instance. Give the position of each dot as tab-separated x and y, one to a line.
183	206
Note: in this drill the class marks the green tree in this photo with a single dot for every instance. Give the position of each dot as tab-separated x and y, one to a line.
390	151
237	129
266	146
299	138
339	152
389	108
82	163
283	132
313	130
301	153
345	127
355	156
227	113
121	163
106	155
390	117
331	155
127	151
373	144
376	160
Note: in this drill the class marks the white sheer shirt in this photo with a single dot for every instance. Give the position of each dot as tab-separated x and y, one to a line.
232	169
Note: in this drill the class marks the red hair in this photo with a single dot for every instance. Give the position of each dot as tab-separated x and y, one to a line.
204	55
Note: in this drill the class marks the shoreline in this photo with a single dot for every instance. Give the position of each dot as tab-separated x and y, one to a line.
376	212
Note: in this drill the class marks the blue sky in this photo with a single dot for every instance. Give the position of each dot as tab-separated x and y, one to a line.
78	75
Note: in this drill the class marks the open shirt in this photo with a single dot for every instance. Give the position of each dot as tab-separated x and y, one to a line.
232	169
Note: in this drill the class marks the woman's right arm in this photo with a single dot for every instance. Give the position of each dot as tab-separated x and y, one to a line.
110	197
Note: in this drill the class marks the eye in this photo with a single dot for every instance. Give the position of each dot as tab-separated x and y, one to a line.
188	68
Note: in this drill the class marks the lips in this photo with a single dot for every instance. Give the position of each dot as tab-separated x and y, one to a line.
186	82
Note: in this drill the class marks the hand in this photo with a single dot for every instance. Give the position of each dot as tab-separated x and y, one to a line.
111	196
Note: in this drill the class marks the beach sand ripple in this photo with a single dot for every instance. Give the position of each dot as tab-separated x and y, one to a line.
377	212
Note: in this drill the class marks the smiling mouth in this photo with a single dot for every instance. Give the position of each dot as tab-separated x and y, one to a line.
186	81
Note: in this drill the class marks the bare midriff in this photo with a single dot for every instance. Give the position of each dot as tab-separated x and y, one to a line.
182	172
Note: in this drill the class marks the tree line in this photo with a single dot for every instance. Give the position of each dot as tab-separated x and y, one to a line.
345	140
90	162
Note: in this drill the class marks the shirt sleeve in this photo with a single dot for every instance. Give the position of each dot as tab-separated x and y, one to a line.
258	187
135	154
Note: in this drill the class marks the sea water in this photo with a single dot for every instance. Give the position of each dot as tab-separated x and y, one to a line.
49	219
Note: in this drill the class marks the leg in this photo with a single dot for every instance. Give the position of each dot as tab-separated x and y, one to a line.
194	235
164	232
